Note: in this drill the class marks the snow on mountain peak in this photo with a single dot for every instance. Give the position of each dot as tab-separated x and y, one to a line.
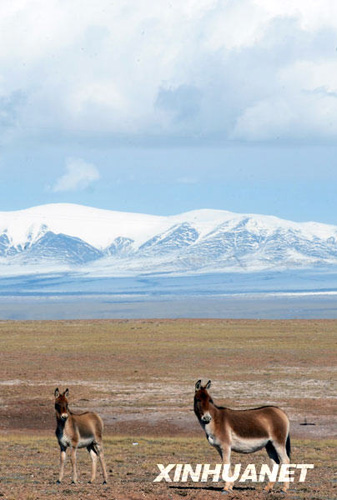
94	226
195	240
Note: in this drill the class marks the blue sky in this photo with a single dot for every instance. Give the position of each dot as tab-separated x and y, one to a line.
168	107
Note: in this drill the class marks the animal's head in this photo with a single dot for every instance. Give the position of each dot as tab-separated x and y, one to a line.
202	401
61	404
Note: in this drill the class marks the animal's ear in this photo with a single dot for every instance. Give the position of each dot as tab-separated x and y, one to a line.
208	385
56	393
198	385
66	393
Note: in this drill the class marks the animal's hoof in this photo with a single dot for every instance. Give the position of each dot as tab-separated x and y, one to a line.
104	482
58	482
73	482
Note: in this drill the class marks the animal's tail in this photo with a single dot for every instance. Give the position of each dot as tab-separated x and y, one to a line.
288	446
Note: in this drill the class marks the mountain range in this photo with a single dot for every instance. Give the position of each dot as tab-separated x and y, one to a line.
109	243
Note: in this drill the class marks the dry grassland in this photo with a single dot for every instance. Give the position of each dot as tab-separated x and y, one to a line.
140	375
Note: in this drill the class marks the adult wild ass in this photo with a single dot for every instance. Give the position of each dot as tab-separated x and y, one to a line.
243	431
78	431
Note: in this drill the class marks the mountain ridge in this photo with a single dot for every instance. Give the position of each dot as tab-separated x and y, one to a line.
97	241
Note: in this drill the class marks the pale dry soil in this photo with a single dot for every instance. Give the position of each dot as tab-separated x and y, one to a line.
140	375
29	470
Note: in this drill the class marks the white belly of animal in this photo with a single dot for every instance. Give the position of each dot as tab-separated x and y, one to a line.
247	445
83	443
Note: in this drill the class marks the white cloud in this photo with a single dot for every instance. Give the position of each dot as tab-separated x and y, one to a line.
196	69
305	106
78	176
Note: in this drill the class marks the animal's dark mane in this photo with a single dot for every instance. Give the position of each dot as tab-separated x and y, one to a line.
218	407
78	414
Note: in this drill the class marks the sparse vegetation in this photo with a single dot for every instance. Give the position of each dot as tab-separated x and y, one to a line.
30	468
140	375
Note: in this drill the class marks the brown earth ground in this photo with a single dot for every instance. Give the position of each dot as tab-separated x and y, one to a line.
140	376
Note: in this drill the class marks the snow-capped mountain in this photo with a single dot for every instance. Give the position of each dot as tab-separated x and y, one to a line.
103	242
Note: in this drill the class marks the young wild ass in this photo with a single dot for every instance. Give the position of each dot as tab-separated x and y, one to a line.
243	431
78	431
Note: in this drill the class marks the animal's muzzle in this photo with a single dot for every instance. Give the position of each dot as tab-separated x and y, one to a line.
64	416
206	418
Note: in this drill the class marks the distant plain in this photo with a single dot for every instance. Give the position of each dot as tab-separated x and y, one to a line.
290	294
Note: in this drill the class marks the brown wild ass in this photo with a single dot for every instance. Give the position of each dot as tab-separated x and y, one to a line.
78	431
243	431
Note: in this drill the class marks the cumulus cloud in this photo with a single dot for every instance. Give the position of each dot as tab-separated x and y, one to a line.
248	70
78	176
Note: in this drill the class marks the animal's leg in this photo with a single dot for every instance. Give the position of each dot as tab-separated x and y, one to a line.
273	460
93	456
73	463
284	459
100	453
62	461
226	460
270	485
